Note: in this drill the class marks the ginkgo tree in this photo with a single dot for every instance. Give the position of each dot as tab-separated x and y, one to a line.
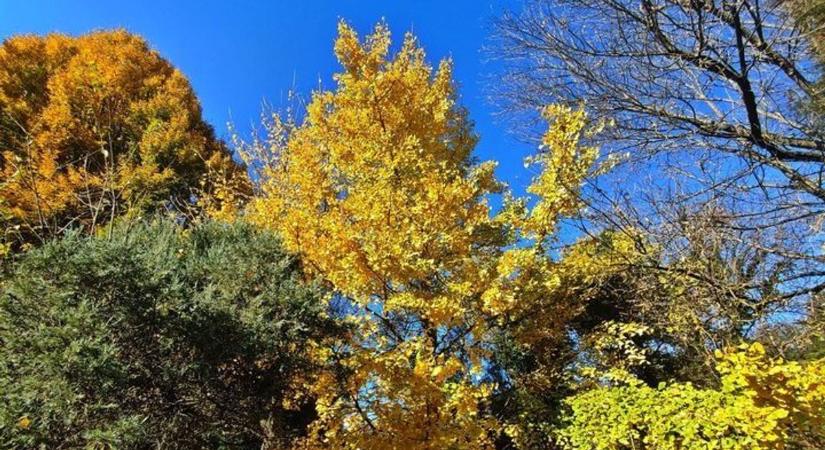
378	192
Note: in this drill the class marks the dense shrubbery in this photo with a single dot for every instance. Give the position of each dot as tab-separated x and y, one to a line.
761	403
157	337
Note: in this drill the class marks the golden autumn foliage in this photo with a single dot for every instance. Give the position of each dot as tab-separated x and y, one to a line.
96	126
376	190
377	194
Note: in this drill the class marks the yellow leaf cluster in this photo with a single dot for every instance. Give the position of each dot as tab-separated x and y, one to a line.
794	391
762	403
564	165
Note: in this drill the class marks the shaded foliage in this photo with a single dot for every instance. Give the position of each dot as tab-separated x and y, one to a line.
158	337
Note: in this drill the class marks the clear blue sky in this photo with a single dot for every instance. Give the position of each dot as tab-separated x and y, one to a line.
238	54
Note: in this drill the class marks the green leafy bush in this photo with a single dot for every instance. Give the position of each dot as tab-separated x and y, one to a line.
762	403
158	337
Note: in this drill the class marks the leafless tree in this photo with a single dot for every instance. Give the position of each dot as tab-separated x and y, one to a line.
703	99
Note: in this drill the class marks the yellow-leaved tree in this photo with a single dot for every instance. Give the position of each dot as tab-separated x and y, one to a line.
96	126
377	191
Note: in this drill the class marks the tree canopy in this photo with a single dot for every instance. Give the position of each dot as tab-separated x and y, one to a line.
97	126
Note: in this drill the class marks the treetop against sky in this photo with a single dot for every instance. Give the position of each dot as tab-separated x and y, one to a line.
240	55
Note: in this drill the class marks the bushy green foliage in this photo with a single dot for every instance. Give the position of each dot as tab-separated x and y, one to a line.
762	403
157	337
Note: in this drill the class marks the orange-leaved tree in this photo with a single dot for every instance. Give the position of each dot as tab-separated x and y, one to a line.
96	126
